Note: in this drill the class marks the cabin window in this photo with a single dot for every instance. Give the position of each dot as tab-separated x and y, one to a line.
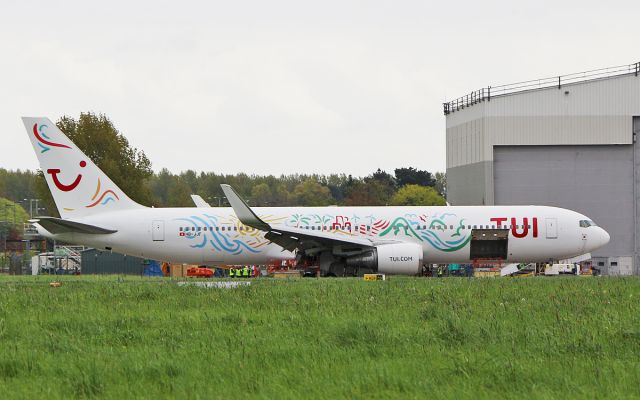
614	263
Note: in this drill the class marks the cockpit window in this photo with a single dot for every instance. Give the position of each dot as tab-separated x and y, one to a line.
585	223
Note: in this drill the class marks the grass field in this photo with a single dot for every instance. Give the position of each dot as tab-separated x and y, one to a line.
119	338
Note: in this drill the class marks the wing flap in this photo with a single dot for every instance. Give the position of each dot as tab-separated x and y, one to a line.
302	235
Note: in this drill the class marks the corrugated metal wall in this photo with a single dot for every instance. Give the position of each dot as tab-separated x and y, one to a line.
471	184
592	112
594	180
572	147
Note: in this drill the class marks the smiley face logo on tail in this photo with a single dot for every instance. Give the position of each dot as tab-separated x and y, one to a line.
65	188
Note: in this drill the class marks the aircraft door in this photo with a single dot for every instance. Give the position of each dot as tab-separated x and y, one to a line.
552	228
157	230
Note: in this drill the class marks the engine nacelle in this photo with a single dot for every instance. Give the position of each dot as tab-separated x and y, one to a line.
396	258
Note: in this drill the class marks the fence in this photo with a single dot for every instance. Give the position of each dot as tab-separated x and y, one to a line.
485	94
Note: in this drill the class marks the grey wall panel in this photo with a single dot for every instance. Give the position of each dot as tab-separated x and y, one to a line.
618	95
591	112
466	185
594	180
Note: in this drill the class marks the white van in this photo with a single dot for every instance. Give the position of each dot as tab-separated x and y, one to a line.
557	269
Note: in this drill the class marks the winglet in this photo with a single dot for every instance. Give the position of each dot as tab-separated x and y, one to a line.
199	201
242	210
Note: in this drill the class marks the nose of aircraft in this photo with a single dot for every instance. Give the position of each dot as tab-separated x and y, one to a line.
599	238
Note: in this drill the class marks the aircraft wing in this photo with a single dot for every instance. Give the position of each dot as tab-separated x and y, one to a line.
58	225
287	237
199	201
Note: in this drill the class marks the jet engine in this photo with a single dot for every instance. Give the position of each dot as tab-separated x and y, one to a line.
396	258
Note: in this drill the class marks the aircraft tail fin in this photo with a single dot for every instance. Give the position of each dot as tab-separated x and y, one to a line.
78	186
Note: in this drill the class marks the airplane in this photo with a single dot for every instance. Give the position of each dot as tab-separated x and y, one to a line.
393	240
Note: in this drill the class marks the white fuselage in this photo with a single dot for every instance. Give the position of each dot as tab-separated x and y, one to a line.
215	236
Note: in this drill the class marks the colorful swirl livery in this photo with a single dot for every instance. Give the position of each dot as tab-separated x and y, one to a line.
396	240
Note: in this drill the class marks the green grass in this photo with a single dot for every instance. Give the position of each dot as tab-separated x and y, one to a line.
113	337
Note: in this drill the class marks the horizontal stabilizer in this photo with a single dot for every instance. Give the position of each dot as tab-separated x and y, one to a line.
58	225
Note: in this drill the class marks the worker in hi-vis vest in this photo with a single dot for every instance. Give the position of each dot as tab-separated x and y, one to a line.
232	272
245	272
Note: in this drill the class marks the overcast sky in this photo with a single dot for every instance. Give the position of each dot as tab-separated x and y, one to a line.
271	87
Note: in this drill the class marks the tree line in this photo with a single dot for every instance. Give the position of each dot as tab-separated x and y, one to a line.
130	169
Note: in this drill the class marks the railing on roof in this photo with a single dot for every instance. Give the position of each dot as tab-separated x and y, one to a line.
485	94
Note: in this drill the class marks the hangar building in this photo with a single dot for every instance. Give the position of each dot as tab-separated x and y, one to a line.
568	141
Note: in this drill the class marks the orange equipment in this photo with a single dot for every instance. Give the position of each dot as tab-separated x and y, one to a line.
199	272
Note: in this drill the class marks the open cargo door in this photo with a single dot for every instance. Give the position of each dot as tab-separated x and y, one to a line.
491	244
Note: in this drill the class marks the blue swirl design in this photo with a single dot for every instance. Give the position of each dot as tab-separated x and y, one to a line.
409	226
444	245
41	131
220	241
